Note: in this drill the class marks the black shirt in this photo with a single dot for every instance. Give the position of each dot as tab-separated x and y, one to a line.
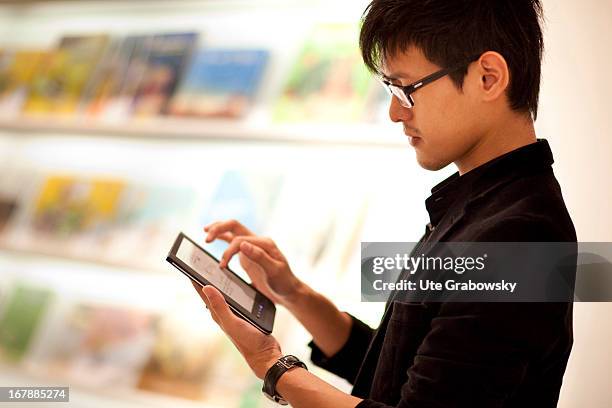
471	354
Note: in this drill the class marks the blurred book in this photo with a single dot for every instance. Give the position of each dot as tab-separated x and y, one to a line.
16	76
111	93
74	214
328	82
95	218
48	80
220	83
61	80
22	314
8	207
16	187
165	64
97	345
106	78
181	361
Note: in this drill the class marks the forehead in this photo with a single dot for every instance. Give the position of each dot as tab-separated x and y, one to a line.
406	64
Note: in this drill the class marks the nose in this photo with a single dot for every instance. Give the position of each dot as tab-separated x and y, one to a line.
399	113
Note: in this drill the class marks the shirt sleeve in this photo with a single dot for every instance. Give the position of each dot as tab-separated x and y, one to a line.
346	362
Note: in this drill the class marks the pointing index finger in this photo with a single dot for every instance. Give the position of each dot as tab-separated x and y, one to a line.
232	226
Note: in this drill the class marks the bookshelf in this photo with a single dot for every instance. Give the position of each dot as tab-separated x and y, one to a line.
340	184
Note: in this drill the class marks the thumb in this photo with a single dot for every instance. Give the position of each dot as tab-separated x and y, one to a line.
217	303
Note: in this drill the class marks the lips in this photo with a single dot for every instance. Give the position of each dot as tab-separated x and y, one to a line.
412	138
411	132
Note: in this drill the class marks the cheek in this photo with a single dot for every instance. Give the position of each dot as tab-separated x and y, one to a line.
441	122
439	111
446	131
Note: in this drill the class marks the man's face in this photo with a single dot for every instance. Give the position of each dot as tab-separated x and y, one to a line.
444	124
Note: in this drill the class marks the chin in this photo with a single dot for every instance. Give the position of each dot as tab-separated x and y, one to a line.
431	164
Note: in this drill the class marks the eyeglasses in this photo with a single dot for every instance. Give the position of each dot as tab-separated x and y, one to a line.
404	93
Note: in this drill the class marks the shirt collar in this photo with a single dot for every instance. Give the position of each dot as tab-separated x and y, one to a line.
459	190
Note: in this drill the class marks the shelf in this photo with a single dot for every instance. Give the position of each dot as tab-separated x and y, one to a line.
358	134
93	397
56	256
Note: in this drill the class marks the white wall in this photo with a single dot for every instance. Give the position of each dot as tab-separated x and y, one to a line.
575	117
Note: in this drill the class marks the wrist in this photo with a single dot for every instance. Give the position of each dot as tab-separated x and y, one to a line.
299	292
265	362
281	368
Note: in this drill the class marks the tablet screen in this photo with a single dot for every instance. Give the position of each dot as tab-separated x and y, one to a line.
209	269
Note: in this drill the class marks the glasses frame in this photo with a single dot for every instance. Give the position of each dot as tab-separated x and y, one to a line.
404	93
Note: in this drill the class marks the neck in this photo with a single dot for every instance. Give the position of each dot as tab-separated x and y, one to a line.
517	131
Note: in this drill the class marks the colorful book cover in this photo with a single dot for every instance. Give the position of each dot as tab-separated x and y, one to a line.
69	206
117	106
181	361
60	83
98	345
166	62
106	77
16	79
112	88
22	314
220	83
329	82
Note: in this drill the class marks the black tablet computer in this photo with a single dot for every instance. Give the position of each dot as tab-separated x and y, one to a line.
202	267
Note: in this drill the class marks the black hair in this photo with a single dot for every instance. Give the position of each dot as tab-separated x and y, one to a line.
449	32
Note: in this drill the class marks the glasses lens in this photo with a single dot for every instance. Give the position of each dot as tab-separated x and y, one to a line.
398	92
401	96
387	87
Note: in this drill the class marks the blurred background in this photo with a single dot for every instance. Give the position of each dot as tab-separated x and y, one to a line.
125	122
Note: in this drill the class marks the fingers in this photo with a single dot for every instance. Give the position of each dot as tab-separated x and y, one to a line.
226	236
264	245
259	256
215	229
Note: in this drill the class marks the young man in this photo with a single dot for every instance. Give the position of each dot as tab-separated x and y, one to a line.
465	78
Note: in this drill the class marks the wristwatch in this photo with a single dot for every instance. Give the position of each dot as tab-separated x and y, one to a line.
279	368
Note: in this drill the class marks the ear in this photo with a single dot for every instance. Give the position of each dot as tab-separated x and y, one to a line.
493	74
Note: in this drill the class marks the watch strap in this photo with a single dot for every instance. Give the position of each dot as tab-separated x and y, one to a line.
274	373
